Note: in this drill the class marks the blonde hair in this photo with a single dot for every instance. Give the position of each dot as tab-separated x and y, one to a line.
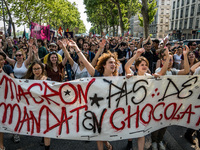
23	53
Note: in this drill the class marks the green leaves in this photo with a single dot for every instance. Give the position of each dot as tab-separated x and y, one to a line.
54	12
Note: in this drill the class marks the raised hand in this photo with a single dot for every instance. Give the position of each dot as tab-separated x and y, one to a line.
71	43
65	42
186	50
103	43
140	51
30	43
35	49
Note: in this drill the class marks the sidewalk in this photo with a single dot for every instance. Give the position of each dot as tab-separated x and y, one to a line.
173	139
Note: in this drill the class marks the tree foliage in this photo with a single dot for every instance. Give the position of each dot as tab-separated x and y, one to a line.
54	12
152	10
110	13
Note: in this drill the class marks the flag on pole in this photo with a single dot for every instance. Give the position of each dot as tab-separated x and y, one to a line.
67	30
60	30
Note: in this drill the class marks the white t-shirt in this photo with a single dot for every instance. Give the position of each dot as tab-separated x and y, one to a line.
197	71
173	71
120	69
79	73
177	58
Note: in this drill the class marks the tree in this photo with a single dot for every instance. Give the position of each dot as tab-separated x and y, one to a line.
148	11
7	3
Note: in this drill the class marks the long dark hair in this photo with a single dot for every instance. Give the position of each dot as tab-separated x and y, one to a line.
29	74
50	66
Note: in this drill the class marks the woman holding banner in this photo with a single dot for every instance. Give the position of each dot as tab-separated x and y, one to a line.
141	65
54	71
157	136
106	66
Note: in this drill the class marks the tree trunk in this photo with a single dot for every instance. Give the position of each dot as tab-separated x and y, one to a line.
113	30
117	30
13	24
145	15
120	18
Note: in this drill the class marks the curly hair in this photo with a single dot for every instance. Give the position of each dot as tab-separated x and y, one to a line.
139	60
102	62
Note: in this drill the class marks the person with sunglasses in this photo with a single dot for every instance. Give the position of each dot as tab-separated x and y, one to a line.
21	63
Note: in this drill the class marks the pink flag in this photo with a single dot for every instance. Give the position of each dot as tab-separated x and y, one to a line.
40	32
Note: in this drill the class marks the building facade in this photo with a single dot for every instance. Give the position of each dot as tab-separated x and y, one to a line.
136	29
160	26
185	15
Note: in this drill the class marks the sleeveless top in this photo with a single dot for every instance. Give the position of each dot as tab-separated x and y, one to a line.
20	72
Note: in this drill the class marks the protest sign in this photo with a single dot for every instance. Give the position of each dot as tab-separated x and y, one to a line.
39	31
103	108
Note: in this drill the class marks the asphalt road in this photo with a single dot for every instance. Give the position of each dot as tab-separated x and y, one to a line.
173	140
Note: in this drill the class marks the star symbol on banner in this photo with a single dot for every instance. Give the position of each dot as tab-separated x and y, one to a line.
95	100
67	92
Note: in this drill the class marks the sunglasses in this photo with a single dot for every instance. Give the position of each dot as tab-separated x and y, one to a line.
18	55
194	44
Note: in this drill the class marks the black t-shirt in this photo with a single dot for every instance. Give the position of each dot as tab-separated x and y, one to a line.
7	69
121	54
149	56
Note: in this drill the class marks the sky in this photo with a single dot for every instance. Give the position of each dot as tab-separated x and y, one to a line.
81	9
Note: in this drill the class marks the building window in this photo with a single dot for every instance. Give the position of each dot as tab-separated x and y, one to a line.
192	10
161	20
163	2
186	11
188	1
178	3
174	5
176	23
172	25
173	12
191	23
193	1
177	11
198	11
180	24
181	16
182	4
185	24
197	23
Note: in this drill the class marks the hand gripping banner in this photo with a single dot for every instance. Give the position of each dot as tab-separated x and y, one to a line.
104	108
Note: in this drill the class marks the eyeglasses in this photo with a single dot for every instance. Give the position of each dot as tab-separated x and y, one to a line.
18	55
35	69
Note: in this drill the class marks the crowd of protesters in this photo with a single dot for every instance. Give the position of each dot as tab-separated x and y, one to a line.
64	59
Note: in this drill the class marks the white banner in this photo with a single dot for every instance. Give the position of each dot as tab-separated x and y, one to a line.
106	108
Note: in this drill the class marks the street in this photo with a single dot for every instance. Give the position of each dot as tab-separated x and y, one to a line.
173	140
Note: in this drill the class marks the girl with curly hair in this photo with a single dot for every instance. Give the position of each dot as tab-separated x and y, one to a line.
107	66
